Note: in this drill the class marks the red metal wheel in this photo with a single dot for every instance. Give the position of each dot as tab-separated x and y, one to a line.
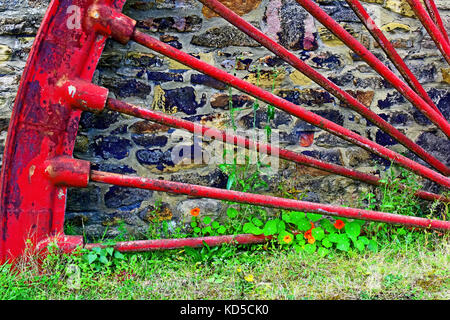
56	87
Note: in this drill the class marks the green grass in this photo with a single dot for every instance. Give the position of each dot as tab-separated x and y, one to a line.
414	269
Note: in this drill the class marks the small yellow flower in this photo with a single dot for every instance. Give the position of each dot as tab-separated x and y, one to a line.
287	239
249	278
239	270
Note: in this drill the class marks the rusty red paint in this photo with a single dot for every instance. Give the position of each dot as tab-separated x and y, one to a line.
439	39
390	51
44	126
434	14
263	200
342	95
376	64
167	244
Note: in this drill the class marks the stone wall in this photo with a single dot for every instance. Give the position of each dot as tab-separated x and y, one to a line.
122	144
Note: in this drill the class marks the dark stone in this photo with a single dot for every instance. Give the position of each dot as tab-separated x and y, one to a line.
208	81
222	100
342	79
147	140
120	129
183	99
371	83
442	100
111	147
172	24
390	100
171	41
113	167
79	200
332	115
272	61
309	97
327	60
438	146
261	119
293	31
384	139
159	77
399	118
125	198
155	157
424	72
127	88
222	37
144	60
333	156
340	12
215	179
98	121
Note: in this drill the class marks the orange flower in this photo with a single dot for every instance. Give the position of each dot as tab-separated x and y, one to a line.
287	239
339	224
195	212
311	240
308	234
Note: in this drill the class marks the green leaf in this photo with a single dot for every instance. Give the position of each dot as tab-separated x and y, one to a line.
251	228
303	224
334	237
344	245
310	248
257	222
359	245
327	225
248	227
118	255
193	224
353	229
318	233
373	245
232	213
206	230
313	216
197	229
271	227
92	257
281	226
215	225
327	243
109	251
207	220
103	259
221	230
97	250
364	240
286	216
323	252
231	180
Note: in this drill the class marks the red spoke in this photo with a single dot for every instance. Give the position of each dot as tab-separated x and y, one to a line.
263	200
376	64
434	32
434	14
390	51
162	118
